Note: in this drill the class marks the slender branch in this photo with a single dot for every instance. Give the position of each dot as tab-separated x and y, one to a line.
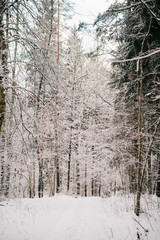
123	8
135	5
146	230
11	5
151	12
137	58
102	98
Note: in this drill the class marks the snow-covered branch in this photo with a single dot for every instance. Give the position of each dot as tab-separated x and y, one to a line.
137	58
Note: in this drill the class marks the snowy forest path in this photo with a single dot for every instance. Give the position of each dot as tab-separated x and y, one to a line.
79	221
59	218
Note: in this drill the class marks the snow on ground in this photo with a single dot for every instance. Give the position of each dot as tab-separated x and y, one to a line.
69	218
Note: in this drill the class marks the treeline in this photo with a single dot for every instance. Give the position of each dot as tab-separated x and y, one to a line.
54	122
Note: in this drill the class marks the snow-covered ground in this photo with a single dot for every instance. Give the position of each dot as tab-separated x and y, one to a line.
69	218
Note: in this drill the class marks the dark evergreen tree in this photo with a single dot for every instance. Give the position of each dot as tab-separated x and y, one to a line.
135	27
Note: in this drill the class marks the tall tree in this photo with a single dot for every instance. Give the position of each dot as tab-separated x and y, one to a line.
3	60
137	78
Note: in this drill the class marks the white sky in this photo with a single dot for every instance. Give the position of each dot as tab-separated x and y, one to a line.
87	10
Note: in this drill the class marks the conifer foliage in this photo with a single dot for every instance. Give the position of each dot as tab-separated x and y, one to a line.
134	25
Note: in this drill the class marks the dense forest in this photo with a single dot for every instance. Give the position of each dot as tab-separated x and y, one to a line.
72	120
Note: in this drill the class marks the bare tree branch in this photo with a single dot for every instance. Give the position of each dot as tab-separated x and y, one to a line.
135	5
11	5
125	7
146	230
102	98
151	12
137	58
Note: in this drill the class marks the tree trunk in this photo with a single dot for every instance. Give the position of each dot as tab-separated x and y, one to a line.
158	178
40	179
137	207
69	165
3	62
2	173
85	187
92	187
149	173
78	177
57	175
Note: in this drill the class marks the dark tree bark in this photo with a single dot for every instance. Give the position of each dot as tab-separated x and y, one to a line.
69	165
149	173
158	177
40	179
78	177
85	188
158	180
3	62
